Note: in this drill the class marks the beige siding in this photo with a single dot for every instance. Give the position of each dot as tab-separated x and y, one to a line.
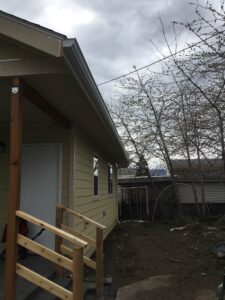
101	208
214	192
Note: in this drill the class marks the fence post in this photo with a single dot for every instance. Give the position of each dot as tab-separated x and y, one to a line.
58	239
99	262
78	273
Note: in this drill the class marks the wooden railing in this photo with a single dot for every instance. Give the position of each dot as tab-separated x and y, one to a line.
74	265
96	243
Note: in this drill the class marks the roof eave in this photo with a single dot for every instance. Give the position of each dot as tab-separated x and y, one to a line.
77	63
31	34
58	45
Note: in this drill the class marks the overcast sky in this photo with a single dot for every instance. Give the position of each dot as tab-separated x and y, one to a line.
114	35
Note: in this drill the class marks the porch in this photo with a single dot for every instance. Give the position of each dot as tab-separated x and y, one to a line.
22	277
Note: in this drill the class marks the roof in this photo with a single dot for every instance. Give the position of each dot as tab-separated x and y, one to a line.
212	169
142	179
57	45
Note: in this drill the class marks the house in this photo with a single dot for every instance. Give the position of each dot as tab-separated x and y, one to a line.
210	169
58	143
206	182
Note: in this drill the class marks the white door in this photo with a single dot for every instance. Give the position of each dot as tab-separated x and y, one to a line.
40	186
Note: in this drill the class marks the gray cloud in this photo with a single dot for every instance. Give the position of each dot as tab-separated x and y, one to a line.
119	36
28	10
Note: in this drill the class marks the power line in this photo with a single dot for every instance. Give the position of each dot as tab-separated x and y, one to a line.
159	60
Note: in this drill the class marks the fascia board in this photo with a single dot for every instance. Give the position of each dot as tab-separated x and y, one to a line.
31	34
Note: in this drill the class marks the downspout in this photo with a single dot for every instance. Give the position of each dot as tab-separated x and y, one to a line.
117	200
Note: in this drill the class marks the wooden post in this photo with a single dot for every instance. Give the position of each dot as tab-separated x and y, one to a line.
58	239
14	189
99	262
78	273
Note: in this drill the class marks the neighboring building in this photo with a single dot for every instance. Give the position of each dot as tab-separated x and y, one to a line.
212	169
66	129
214	186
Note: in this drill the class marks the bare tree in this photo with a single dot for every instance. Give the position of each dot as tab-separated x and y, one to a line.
180	112
143	120
203	66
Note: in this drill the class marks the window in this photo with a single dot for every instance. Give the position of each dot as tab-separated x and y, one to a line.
110	179
96	174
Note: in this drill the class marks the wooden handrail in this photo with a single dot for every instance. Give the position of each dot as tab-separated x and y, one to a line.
87	261
63	234
80	235
74	265
99	262
86	219
44	283
43	251
78	273
97	243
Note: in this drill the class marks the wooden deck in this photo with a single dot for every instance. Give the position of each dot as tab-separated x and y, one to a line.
25	288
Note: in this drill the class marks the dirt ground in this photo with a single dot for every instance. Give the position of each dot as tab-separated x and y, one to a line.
137	251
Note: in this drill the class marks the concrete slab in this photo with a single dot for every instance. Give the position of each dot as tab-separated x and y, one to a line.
157	288
207	295
145	289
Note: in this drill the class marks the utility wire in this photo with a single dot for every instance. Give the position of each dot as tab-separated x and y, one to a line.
160	60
